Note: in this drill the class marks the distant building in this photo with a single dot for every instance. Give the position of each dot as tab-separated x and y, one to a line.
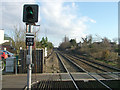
2	37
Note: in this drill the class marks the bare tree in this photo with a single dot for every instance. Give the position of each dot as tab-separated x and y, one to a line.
65	39
19	38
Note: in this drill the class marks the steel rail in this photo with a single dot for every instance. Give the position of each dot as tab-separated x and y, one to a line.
71	77
91	65
88	73
75	57
61	62
113	68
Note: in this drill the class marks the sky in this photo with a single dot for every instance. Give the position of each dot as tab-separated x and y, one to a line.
73	19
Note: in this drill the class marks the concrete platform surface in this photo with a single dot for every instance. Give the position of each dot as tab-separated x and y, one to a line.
20	80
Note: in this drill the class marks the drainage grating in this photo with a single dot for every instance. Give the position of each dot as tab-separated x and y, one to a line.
60	85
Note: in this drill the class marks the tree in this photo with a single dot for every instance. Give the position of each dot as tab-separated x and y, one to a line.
19	38
49	45
44	42
106	43
65	39
65	45
73	42
87	44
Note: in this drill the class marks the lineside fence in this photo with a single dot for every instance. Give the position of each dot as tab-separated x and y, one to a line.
37	60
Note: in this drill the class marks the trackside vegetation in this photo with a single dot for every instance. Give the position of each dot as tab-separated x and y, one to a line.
102	50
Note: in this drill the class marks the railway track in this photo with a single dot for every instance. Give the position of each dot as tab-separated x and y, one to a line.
83	70
86	64
99	64
96	68
72	67
70	75
69	67
96	65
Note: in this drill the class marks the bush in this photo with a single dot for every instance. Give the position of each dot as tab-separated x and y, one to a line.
105	54
96	55
113	56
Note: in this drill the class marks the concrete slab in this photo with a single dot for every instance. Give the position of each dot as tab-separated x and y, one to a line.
82	76
97	76
14	81
114	76
20	80
64	76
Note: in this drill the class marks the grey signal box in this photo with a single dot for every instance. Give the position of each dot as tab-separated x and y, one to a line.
30	13
29	39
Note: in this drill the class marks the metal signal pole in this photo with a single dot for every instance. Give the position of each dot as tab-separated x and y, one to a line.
30	17
29	70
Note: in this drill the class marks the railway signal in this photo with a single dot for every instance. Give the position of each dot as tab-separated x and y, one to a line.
30	13
30	17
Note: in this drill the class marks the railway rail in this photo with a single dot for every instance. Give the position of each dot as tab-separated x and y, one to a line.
96	65
70	75
74	82
70	66
105	66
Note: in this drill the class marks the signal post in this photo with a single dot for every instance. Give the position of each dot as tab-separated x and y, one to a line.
30	17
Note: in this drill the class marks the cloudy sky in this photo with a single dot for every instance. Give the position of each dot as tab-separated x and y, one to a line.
73	19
